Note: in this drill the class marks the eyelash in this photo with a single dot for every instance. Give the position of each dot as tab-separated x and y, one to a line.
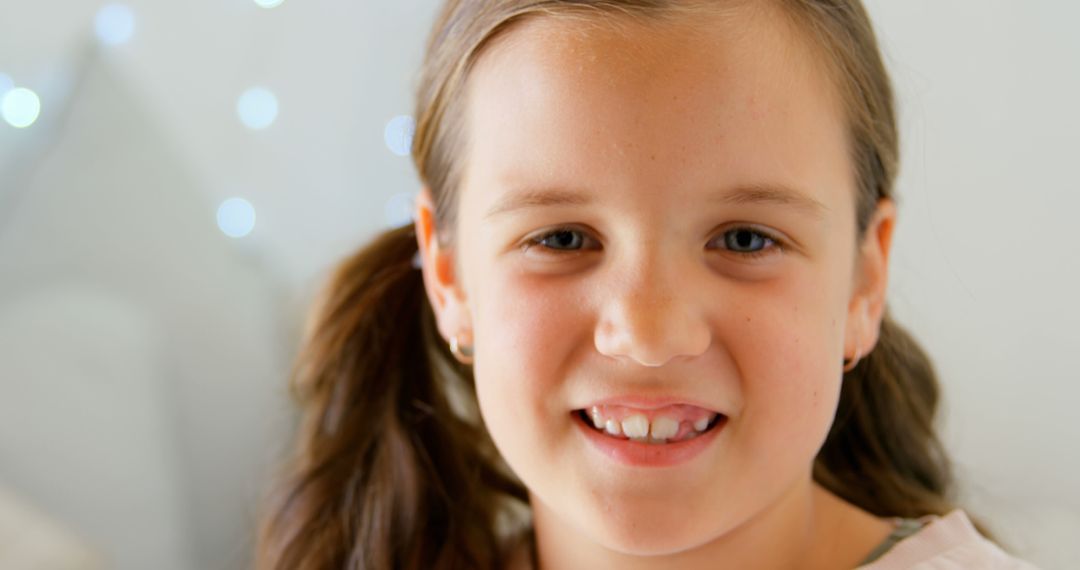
777	245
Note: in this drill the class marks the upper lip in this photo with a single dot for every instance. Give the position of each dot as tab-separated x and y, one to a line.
651	402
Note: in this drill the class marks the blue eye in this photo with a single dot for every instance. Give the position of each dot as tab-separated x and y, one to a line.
560	239
742	241
738	240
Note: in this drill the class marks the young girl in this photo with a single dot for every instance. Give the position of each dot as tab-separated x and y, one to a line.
640	320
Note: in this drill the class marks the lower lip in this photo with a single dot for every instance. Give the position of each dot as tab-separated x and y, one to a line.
638	454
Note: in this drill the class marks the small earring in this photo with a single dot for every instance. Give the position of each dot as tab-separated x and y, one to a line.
464	354
849	364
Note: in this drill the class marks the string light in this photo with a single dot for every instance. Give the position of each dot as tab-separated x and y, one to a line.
20	107
114	24
399	135
257	108
236	217
399	209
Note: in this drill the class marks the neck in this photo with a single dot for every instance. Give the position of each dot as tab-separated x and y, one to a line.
808	528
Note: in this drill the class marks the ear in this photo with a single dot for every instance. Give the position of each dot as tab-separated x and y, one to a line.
867	305
444	291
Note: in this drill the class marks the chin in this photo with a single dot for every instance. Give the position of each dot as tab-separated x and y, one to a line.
648	532
649	542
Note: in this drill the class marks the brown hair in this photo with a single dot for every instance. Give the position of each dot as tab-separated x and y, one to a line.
393	467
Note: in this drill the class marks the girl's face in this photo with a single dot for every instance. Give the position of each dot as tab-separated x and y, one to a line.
651	215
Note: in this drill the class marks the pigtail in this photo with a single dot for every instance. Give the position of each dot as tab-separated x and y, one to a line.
884	432
387	473
882	452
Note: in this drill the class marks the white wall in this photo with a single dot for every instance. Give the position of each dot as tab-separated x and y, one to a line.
987	267
142	353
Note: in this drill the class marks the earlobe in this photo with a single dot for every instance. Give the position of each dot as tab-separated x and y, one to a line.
856	353
868	305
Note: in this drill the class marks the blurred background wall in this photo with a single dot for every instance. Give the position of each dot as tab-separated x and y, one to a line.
177	178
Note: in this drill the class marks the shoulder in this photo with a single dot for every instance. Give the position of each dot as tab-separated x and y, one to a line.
947	543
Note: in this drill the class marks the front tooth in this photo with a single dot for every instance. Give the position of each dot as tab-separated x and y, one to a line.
664	428
597	419
636	426
701	424
613	427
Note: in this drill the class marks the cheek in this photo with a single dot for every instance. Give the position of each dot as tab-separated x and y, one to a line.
527	328
522	337
791	381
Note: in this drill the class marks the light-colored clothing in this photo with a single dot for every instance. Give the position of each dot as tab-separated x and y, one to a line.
927	543
944	543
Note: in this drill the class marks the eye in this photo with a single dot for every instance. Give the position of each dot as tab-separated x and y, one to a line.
559	240
745	242
750	243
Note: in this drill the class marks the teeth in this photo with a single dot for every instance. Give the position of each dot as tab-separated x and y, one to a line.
636	427
664	428
597	419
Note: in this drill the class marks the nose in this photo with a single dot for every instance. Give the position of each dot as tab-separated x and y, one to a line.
650	318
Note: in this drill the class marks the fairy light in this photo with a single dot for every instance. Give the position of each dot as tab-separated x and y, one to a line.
6	83
236	217
398	134
398	210
20	107
257	108
114	24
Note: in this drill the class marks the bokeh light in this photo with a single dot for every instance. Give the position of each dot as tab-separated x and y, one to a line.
399	134
399	209
269	3
20	107
257	108
5	84
236	217
114	24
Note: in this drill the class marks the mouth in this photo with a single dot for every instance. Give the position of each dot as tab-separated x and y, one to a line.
651	438
663	426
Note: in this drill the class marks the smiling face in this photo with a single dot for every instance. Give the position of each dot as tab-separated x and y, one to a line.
662	213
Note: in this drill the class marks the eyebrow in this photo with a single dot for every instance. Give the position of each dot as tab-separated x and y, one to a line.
739	195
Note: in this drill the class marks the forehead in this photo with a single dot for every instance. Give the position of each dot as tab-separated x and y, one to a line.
685	103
